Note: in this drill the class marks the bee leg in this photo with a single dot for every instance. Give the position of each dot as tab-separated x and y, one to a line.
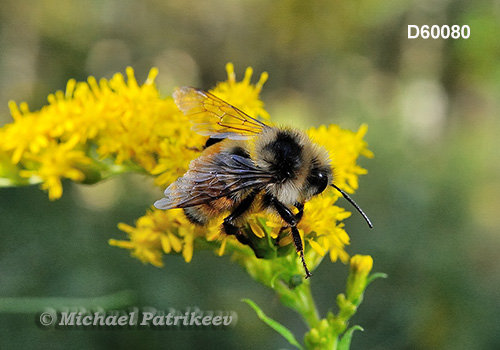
291	219
230	228
298	246
300	207
233	230
298	217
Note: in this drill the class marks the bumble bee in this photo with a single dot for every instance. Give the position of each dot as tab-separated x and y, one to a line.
247	166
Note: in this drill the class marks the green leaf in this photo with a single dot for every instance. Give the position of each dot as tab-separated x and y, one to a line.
345	341
285	332
375	276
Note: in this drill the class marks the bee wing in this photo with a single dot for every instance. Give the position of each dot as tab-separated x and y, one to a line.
213	117
211	177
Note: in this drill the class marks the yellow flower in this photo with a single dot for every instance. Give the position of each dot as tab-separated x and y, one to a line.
344	148
55	162
242	94
169	168
128	123
26	134
156	233
321	225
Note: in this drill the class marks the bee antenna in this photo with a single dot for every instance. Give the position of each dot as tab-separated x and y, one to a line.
350	200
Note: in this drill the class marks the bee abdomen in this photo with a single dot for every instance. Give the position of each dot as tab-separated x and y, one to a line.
195	216
203	213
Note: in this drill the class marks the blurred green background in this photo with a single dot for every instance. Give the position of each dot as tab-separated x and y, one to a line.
432	191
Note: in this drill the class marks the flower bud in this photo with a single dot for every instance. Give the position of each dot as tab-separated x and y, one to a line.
361	265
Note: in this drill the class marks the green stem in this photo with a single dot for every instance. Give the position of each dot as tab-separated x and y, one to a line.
31	305
300	299
309	311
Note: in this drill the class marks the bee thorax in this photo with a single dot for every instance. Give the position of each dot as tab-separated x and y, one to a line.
280	152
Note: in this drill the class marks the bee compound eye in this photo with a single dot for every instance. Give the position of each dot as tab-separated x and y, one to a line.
320	182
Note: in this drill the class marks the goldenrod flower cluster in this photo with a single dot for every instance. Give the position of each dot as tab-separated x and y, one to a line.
94	130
